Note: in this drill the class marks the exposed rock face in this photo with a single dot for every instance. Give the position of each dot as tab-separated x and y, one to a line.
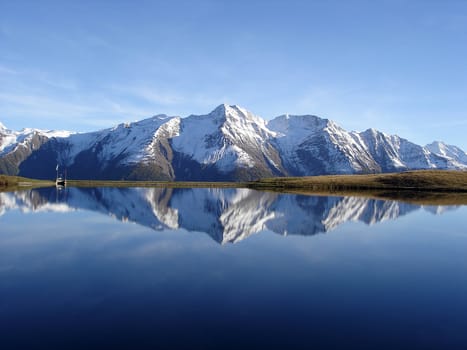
230	143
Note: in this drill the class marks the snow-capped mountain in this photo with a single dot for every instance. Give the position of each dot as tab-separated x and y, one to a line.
313	146
226	215
17	146
230	143
456	157
394	153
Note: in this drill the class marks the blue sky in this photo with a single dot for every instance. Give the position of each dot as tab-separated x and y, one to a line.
398	66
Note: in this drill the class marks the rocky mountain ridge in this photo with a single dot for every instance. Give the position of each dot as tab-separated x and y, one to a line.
229	144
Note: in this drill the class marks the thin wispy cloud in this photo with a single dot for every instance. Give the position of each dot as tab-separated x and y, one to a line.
448	123
132	111
149	94
30	79
99	112
158	97
42	105
7	70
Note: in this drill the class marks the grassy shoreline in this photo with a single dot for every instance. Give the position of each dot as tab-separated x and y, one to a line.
13	183
421	187
421	180
414	181
167	184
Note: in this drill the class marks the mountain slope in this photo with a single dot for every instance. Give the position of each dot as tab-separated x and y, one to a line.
456	157
116	153
228	144
18	146
313	146
393	153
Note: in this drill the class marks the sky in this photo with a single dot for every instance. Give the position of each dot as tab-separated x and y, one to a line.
399	66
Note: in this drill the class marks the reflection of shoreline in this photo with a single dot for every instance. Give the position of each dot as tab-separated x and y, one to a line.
227	215
424	198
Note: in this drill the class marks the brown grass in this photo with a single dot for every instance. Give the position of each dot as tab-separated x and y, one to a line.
423	180
164	184
428	187
13	183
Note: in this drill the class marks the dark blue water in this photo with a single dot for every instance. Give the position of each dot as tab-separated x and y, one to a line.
196	269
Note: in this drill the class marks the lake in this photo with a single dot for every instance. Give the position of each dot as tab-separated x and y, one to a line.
143	268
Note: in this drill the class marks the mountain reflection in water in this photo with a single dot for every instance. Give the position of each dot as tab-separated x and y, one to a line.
227	215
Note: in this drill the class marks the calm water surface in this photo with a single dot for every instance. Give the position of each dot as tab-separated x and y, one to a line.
231	268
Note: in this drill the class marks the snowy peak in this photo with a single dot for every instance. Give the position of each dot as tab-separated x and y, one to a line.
127	142
230	138
383	148
440	148
311	145
239	113
294	126
394	153
11	140
152	122
377	137
449	151
56	133
229	143
232	114
240	122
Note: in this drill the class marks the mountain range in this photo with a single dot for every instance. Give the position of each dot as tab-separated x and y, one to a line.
226	215
228	144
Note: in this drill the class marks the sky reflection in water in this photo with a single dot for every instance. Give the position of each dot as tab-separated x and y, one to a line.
71	275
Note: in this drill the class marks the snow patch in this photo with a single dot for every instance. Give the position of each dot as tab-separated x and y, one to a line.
57	133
